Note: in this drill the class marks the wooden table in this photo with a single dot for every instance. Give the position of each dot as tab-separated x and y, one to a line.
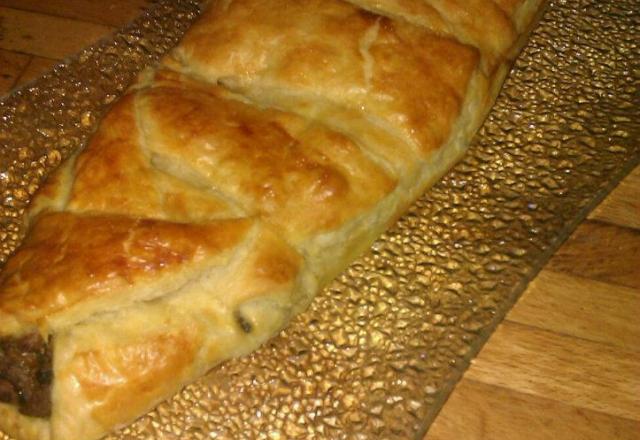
566	362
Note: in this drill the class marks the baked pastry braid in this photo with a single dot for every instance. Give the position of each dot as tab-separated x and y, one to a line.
232	182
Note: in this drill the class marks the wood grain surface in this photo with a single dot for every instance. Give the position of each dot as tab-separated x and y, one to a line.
477	410
622	207
45	35
565	364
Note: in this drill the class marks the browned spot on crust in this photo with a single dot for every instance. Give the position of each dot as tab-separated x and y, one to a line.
111	375
68	259
299	176
277	267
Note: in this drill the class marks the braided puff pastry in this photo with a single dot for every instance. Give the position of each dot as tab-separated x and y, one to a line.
233	181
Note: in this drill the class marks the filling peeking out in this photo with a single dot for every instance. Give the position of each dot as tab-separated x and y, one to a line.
26	374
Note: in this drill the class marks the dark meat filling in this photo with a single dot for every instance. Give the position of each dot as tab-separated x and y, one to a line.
25	374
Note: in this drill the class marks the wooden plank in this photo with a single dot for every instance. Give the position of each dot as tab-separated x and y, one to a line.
37	67
477	411
11	66
601	252
46	36
581	307
622	206
580	373
107	12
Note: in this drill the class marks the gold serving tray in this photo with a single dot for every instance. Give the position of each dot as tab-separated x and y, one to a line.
378	351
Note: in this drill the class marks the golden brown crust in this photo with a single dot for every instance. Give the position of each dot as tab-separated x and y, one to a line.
295	174
267	152
114	175
127	371
405	79
159	346
70	261
466	21
509	6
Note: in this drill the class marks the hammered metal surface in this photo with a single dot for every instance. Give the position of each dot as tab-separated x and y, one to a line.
379	350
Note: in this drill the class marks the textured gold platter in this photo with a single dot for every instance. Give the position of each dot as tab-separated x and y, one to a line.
379	350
